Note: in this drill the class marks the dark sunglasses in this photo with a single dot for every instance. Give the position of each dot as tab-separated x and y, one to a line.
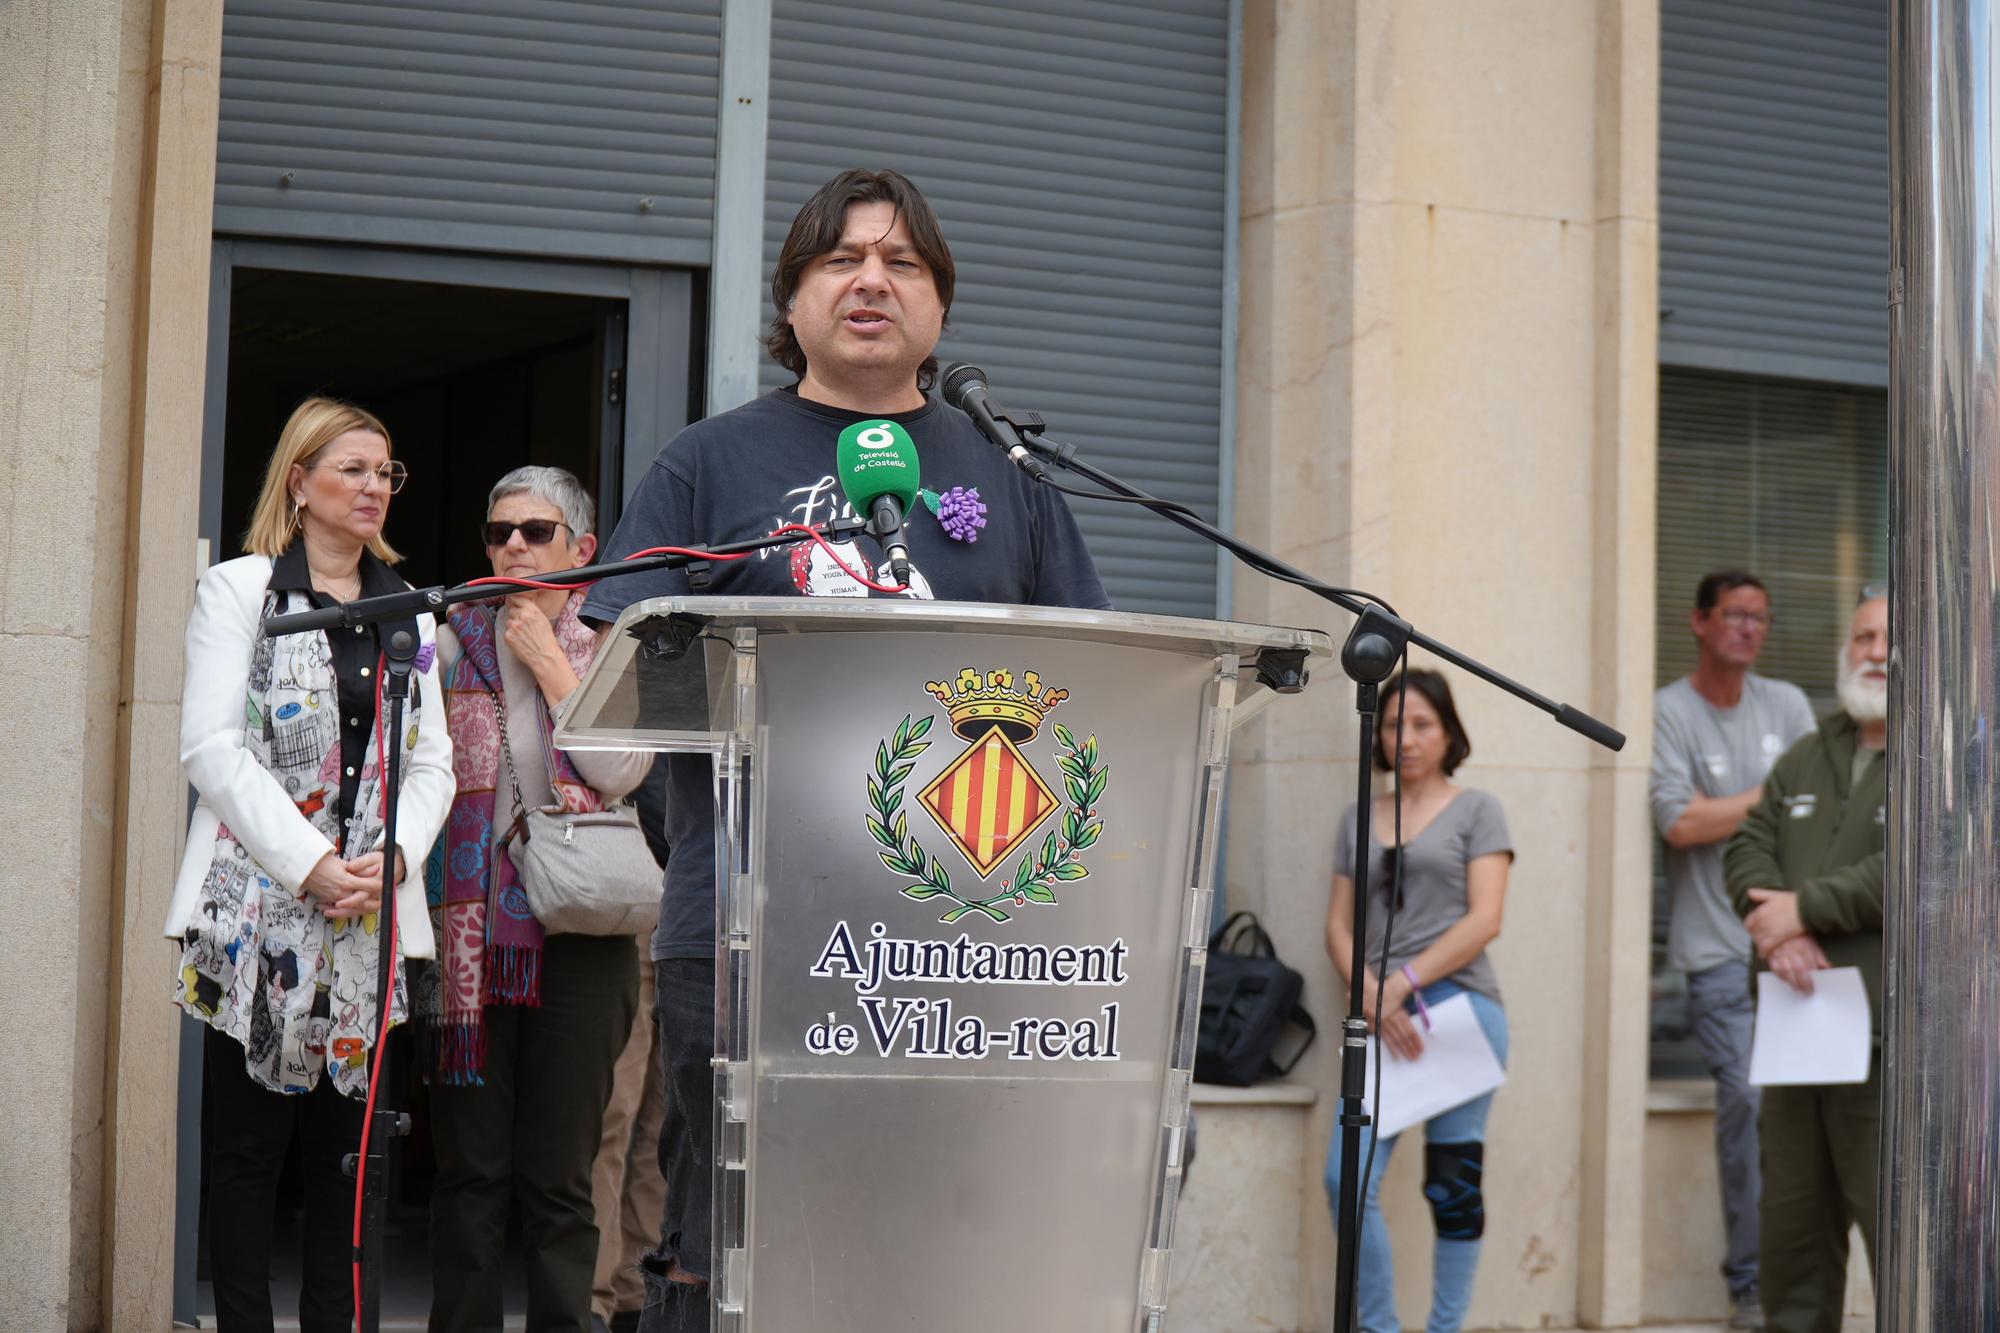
536	531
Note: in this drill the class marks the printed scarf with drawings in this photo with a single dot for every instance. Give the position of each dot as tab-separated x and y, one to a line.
260	962
489	943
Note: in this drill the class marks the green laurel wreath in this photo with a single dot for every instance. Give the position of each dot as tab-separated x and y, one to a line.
1037	873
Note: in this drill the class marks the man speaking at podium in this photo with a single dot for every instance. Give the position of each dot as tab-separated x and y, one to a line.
861	290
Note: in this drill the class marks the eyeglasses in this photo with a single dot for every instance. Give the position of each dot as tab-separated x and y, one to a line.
356	475
535	532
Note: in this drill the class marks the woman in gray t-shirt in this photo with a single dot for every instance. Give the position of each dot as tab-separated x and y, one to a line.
1454	859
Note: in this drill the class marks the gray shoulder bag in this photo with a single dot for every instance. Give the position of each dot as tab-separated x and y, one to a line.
584	874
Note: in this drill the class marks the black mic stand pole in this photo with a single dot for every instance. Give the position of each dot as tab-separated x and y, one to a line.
399	655
386	1124
1367	657
1377	642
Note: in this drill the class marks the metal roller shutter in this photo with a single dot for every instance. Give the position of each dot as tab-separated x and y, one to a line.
1077	153
1774	187
531	126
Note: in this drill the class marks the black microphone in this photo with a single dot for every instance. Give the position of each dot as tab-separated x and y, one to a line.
301	622
964	387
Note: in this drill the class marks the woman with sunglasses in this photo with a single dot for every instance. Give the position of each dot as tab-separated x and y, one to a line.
275	906
1446	882
528	1025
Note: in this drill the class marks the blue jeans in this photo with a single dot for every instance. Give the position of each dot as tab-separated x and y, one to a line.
1456	1262
1723	1016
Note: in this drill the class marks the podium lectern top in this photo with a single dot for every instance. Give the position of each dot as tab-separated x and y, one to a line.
654	686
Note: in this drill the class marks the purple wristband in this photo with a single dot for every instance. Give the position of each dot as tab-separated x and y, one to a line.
1417	994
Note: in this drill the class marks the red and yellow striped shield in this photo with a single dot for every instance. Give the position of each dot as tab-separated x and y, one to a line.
989	800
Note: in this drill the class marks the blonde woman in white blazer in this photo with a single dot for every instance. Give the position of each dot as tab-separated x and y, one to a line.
276	904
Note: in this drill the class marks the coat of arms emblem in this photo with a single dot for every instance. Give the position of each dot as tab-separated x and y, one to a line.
990	801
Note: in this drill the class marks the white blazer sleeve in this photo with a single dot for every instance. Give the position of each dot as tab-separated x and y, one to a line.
214	702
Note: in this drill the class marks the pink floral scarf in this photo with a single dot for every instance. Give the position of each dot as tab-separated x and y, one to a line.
489	943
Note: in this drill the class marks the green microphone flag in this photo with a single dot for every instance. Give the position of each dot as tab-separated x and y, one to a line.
878	458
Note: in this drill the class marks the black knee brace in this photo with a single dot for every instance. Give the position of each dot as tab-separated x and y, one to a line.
1452	1173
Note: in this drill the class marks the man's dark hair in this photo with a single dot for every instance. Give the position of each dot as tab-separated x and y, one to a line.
1709	591
817	229
1438	691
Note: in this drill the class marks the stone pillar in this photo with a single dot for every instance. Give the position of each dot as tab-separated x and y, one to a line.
1446	379
84	440
163	455
1314	432
70	127
1622	474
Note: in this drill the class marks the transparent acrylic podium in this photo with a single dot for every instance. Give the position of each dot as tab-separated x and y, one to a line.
964	858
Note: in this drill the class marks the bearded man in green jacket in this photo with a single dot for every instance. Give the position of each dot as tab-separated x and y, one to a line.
1805	870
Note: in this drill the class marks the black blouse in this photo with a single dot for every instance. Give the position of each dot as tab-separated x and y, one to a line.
357	660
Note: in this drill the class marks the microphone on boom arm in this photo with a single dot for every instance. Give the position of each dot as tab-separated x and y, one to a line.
964	387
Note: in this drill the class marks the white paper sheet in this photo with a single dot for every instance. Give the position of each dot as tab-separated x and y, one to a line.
1457	1065
1819	1038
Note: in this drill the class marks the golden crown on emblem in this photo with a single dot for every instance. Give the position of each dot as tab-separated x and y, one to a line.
978	703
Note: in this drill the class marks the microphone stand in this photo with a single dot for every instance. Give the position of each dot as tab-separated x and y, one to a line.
1377	642
397	605
399	656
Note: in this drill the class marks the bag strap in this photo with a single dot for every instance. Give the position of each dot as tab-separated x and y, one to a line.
1299	1018
1237	927
520	823
1218	939
546	729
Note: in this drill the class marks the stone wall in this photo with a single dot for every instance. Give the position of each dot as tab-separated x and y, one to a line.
1446	396
103	254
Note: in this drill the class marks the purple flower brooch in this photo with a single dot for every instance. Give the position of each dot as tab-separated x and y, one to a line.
960	512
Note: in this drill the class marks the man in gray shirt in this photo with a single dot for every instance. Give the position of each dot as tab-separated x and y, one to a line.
1716	733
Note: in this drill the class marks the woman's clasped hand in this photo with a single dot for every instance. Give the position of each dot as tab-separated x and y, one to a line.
347	889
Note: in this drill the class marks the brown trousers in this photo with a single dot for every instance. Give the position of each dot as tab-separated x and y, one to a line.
625	1182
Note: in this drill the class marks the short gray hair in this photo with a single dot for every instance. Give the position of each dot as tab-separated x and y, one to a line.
556	485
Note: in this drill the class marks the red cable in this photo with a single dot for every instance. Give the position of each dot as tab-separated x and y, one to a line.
501	579
382	1036
495	579
858	577
697	555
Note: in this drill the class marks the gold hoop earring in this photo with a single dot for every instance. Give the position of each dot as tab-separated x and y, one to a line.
298	516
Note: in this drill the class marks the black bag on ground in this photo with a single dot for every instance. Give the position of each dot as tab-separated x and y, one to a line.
1248	999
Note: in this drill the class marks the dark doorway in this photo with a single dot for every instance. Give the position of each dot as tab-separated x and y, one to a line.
471	382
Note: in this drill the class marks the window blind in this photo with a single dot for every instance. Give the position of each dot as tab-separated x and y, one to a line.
1787	480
